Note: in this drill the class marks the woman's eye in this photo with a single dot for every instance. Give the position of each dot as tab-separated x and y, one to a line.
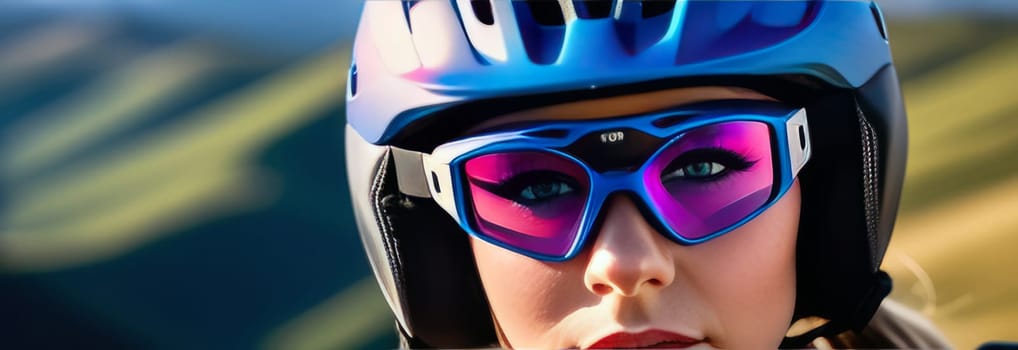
544	191
532	187
695	171
707	164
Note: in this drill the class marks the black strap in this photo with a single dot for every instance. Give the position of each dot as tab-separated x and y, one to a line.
879	289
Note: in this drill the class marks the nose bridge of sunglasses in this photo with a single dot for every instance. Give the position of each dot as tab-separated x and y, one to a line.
615	149
615	194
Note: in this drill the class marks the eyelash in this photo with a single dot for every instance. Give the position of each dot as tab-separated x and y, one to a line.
515	183
730	160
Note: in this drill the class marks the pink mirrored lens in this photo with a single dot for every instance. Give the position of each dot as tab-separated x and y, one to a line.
712	177
529	200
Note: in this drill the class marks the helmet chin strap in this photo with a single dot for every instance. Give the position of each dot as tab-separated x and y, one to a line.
879	289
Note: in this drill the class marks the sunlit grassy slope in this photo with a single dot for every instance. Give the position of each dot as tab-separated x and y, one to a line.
159	187
113	171
953	251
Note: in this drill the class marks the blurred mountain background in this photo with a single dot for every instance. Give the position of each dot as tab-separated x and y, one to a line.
171	174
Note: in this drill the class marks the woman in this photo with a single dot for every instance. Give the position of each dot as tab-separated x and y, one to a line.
629	174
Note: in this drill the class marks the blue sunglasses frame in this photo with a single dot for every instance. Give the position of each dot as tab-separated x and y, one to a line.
441	174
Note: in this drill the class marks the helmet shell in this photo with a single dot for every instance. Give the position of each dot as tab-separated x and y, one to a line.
411	60
420	66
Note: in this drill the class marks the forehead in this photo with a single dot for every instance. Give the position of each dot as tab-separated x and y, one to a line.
622	105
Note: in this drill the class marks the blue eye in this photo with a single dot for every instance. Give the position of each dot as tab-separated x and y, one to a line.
699	170
544	191
704	165
533	187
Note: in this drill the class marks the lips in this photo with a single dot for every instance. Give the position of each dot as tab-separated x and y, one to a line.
652	339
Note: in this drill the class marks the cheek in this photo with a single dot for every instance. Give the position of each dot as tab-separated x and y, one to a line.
529	297
747	277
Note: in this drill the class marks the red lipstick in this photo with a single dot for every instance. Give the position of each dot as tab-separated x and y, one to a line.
652	339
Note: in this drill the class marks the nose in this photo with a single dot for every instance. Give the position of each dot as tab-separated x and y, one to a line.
629	256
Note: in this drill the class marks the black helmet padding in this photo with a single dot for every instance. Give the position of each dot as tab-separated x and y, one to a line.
447	307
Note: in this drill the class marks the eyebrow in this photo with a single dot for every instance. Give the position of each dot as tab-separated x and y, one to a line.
501	127
663	122
551	116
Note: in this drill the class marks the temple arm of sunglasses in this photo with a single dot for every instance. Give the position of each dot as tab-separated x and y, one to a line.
410	174
799	149
421	175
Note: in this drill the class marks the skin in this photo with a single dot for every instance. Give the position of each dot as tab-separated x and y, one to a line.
735	291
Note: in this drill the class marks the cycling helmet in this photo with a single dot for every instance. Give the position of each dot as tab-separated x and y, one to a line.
423	71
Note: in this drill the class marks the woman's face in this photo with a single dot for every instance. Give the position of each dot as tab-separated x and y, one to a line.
633	287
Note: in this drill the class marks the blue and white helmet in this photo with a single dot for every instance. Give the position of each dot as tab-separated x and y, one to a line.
424	71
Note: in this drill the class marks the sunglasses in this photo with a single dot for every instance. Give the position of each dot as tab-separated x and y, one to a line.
697	172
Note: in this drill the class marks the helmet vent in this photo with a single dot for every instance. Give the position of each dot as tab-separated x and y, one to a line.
654	8
593	8
407	5
482	10
641	24
541	25
879	18
547	13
